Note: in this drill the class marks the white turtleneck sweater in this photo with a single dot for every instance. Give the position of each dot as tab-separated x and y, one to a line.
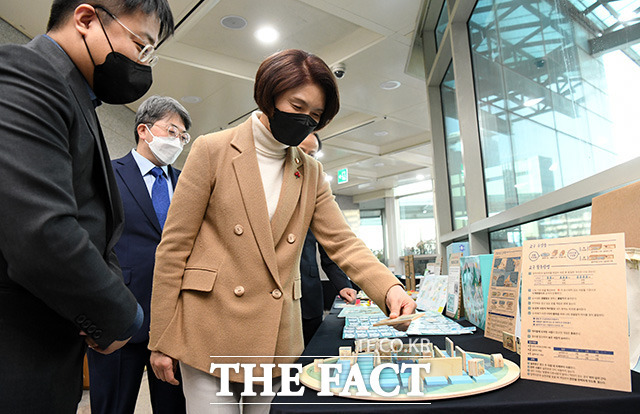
271	155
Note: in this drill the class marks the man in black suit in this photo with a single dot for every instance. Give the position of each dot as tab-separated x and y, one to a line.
60	210
145	178
312	302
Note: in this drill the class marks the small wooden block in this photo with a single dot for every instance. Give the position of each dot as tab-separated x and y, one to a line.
449	346
497	360
376	358
509	341
437	352
463	355
476	367
316	364
399	320
344	352
518	345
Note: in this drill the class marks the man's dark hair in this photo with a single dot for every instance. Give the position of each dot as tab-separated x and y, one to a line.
156	108
61	10
319	141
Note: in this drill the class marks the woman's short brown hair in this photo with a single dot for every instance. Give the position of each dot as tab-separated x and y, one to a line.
290	69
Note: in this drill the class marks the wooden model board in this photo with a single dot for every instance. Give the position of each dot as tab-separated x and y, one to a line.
502	377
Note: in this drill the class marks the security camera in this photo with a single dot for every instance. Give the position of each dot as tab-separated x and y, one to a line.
339	69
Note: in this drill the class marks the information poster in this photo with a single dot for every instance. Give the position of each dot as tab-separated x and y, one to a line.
504	293
433	293
454	304
574	312
471	285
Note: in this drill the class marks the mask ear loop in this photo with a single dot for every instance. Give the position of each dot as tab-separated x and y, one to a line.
105	35
149	129
104	30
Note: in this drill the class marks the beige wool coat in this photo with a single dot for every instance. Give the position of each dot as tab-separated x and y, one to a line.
227	279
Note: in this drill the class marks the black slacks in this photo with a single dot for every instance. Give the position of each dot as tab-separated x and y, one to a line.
115	383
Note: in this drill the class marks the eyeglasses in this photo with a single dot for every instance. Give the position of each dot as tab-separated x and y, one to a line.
174	132
147	51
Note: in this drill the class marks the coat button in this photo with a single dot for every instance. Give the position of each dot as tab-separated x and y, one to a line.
297	160
277	294
291	238
239	291
238	229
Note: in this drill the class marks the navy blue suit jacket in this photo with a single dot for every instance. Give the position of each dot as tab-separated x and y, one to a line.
312	302
136	249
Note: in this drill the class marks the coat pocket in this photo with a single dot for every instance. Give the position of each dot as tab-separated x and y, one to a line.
297	289
201	280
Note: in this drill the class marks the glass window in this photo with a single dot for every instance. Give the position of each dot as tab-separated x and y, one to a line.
571	224
441	26
454	150
549	112
417	232
372	232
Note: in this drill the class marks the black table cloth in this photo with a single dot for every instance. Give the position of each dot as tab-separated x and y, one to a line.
521	397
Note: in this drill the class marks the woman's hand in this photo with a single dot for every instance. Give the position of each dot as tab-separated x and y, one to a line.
399	303
164	367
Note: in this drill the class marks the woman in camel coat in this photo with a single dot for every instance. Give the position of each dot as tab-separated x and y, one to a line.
227	275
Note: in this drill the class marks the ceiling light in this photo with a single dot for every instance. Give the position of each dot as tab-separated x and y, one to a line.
328	178
267	34
380	133
319	155
533	102
233	22
389	85
419	177
191	99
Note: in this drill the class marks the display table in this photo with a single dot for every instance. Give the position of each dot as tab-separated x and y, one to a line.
521	397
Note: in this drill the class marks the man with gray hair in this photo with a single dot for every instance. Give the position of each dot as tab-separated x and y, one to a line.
146	181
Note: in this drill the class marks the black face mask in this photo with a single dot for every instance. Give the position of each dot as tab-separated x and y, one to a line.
119	80
290	128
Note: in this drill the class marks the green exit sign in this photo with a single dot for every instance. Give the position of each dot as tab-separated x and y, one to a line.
343	176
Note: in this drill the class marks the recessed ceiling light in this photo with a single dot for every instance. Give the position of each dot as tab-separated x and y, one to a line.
233	22
191	99
328	178
319	155
380	133
419	177
389	85
267	34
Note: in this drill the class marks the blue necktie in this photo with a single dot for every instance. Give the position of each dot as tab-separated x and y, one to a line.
160	195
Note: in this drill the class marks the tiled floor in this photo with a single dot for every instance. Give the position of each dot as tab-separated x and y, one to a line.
143	406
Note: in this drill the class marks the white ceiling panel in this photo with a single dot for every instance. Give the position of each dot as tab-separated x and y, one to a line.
217	65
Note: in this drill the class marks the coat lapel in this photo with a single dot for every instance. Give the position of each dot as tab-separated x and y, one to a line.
290	193
80	89
245	166
130	174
